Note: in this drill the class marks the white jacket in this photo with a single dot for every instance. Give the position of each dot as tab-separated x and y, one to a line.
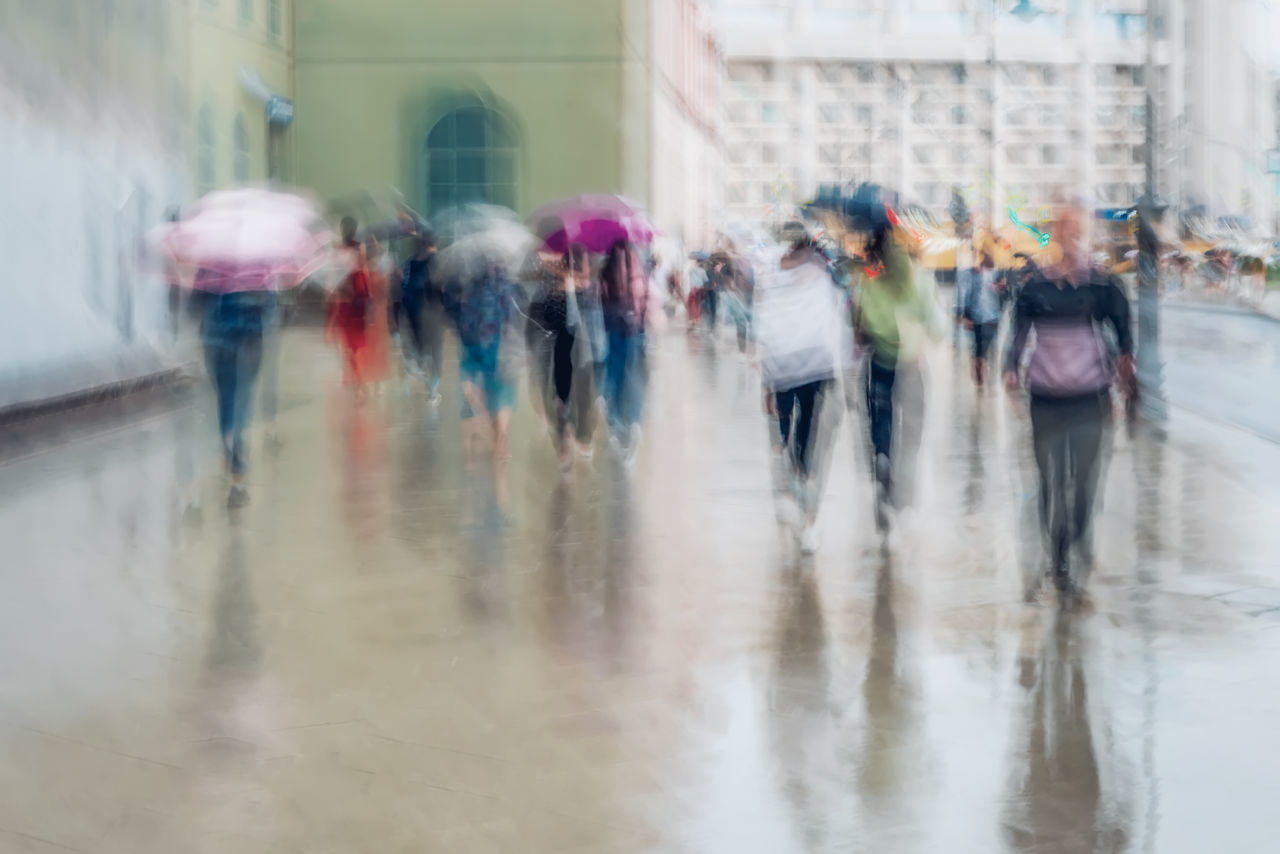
800	326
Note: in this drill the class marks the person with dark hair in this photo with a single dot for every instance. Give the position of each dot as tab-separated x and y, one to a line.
892	307
423	307
799	333
568	363
1068	374
981	304
624	299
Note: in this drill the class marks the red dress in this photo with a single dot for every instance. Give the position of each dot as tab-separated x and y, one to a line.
357	319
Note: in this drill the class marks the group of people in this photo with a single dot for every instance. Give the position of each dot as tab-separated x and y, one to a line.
815	330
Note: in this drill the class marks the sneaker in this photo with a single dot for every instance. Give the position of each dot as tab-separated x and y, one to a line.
809	540
788	513
586	452
238	497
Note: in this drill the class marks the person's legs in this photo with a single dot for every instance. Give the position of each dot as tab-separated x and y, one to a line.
412	308
615	377
636	381
432	322
806	397
248	362
220	363
1085	453
1049	440
880	380
784	403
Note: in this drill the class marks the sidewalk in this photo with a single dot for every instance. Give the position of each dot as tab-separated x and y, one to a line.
393	650
1268	306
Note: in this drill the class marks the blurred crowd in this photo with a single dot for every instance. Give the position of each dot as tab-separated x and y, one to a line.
832	307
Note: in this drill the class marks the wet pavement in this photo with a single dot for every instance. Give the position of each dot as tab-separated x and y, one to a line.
391	650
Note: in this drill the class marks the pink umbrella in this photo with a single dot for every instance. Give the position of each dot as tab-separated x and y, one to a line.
596	220
247	240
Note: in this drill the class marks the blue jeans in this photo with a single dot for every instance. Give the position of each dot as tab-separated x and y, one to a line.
625	378
232	334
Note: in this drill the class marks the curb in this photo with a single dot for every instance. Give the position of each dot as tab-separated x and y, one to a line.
87	397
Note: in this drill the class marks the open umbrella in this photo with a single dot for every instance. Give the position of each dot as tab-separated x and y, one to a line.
247	240
503	244
459	221
596	220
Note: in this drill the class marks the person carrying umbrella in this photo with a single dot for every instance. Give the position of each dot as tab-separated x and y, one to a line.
423	305
243	245
624	298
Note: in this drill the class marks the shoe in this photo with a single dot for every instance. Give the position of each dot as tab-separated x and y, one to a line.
586	452
788	513
238	497
434	398
809	540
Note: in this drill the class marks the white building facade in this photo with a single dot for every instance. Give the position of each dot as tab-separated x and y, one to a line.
1016	103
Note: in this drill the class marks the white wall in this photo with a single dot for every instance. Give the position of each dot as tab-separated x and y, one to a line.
77	193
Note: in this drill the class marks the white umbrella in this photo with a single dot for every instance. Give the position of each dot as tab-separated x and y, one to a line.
502	244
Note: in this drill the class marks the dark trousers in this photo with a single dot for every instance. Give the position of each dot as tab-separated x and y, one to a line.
233	363
797	415
710	304
880	380
1067	436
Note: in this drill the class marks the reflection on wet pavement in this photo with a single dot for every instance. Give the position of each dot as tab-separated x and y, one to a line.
391	649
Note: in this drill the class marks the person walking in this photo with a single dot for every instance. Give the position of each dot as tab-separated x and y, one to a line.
423	308
895	311
485	314
1068	374
231	330
624	300
981	306
347	314
799	335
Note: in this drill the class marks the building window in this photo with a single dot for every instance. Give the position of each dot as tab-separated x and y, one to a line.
275	19
1139	154
1016	156
472	156
246	12
959	115
241	137
1049	75
769	153
206	151
1049	155
1015	74
1139	116
1050	114
959	74
1017	116
1107	155
830	114
923	153
828	154
922	114
863	112
830	73
866	73
1106	116
770	113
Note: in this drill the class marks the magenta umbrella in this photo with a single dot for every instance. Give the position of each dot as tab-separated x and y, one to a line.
247	240
596	220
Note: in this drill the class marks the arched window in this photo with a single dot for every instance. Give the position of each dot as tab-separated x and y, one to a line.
206	150
471	156
275	20
241	170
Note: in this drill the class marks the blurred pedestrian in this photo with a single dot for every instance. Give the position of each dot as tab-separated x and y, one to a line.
232	329
375	358
624	299
568	363
896	310
422	302
1068	374
486	311
799	330
349	308
981	306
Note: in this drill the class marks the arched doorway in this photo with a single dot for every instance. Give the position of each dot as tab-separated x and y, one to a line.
471	155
